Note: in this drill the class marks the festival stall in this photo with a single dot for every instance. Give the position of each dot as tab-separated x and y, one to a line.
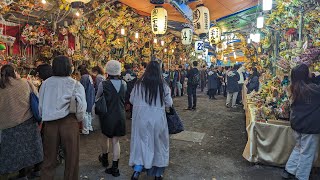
289	36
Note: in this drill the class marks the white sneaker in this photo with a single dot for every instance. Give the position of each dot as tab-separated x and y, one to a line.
84	132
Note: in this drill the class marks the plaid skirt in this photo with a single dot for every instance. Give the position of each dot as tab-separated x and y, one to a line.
20	147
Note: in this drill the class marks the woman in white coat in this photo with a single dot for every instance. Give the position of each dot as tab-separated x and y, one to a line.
149	148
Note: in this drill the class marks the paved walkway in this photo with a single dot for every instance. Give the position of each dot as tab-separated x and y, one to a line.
218	155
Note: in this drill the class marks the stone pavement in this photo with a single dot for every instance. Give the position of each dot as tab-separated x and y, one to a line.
210	149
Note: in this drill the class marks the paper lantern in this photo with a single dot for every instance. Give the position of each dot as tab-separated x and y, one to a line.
201	20
214	35
159	20
2	47
199	46
186	36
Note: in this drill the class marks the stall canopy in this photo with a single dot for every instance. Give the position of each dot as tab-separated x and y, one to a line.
217	8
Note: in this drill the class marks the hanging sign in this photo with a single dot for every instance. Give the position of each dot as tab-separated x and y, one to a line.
201	20
214	35
186	36
199	46
159	18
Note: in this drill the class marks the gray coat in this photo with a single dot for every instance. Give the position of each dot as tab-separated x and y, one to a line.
212	80
150	135
232	81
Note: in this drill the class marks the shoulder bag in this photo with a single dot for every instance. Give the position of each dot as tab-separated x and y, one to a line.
101	104
34	104
175	124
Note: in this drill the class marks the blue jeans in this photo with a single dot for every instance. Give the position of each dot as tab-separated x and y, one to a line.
303	155
154	171
192	96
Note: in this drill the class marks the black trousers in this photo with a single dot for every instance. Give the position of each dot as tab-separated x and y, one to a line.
239	98
225	91
182	89
192	96
219	87
212	93
202	84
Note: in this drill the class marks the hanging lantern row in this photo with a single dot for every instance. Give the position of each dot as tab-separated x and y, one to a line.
159	20
201	20
214	35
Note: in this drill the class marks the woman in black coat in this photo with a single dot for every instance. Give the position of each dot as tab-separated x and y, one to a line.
253	84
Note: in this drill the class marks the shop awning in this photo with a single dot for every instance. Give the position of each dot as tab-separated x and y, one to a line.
217	8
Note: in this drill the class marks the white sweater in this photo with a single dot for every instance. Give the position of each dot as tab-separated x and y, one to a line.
55	95
241	70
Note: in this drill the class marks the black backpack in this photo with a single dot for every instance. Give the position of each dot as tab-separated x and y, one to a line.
196	79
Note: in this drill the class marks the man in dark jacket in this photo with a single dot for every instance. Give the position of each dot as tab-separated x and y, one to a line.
232	87
193	76
130	78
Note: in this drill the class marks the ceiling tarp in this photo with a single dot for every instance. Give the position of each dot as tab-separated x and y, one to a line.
217	8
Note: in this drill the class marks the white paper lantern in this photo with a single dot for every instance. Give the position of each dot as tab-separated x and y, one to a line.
186	36
214	35
198	46
201	19
159	20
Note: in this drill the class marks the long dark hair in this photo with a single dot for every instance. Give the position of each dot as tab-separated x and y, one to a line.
300	81
7	71
152	81
254	73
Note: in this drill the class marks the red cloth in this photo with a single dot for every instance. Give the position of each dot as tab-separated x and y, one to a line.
15	32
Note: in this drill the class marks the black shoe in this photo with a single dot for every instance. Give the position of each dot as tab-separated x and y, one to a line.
214	98
135	175
114	170
286	175
103	158
158	178
194	108
189	109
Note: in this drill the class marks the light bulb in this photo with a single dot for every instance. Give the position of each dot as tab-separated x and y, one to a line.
137	35
251	36
77	14
173	50
165	50
260	21
162	43
123	32
266	5
43	1
249	40
256	38
234	55
155	40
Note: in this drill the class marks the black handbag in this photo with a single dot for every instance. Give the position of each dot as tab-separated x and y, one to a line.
175	125
101	105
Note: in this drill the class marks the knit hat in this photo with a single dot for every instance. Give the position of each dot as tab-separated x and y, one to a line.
113	68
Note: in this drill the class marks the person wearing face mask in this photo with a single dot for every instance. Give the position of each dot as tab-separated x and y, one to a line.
212	82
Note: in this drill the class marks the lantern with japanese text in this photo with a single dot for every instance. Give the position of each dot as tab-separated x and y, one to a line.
186	36
159	20
198	46
201	20
214	35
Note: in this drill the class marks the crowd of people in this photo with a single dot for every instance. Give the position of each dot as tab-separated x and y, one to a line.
67	96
